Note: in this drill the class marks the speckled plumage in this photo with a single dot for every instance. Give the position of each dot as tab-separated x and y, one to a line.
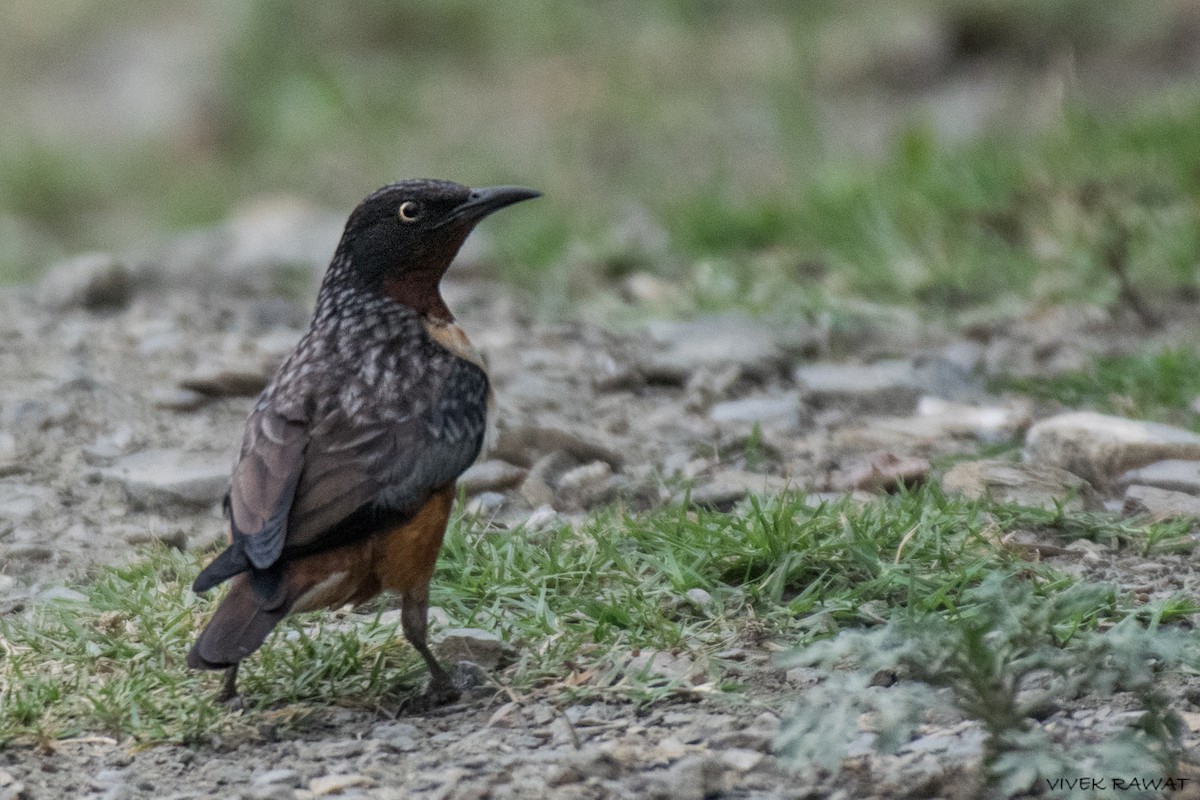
367	423
364	419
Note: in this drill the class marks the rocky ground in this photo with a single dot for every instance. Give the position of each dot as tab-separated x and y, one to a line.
124	386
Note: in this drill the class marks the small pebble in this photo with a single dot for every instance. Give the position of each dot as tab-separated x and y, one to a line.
741	759
61	594
399	736
285	776
14	791
175	399
542	518
176	538
336	784
484	504
30	552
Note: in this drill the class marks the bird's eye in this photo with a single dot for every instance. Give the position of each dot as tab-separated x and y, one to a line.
409	211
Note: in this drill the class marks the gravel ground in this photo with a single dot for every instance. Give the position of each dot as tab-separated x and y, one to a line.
121	405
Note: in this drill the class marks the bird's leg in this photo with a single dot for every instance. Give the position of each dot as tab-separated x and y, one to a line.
413	617
229	695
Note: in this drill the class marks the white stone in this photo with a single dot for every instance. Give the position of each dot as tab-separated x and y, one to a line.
490	476
1160	503
712	342
336	784
542	518
285	776
780	410
983	422
1032	485
1174	474
1099	447
581	487
741	758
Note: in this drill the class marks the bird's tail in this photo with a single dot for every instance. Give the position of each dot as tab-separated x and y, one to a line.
239	626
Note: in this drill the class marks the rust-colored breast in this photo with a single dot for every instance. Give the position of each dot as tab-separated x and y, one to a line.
401	560
404	559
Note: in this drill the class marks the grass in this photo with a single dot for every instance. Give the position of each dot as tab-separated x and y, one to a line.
685	142
1061	216
577	603
1158	385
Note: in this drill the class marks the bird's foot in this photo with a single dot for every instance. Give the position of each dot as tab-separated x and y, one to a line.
232	702
436	696
468	675
463	677
228	696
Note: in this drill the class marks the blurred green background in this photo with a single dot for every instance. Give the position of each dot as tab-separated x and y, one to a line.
694	154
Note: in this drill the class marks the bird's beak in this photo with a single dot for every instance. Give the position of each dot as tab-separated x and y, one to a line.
482	202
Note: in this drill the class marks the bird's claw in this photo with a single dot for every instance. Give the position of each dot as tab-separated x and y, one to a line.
462	677
436	696
467	675
232	702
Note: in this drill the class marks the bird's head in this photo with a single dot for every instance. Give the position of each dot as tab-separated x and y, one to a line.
401	239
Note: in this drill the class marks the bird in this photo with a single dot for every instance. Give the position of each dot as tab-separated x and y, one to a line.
345	478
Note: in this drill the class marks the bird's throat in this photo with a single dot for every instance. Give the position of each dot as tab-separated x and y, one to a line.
419	291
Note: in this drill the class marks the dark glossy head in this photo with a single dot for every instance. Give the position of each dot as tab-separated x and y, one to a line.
402	238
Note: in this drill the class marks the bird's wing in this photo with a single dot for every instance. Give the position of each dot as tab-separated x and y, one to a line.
362	473
263	485
305	486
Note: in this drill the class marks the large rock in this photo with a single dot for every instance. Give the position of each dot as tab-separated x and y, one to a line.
902	435
19	500
1173	474
881	472
583	487
986	423
783	409
697	776
939	426
490	476
166	478
274	245
1160	503
1099	447
539	484
1032	485
722	490
523	445
759	348
475	645
885	387
890	386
